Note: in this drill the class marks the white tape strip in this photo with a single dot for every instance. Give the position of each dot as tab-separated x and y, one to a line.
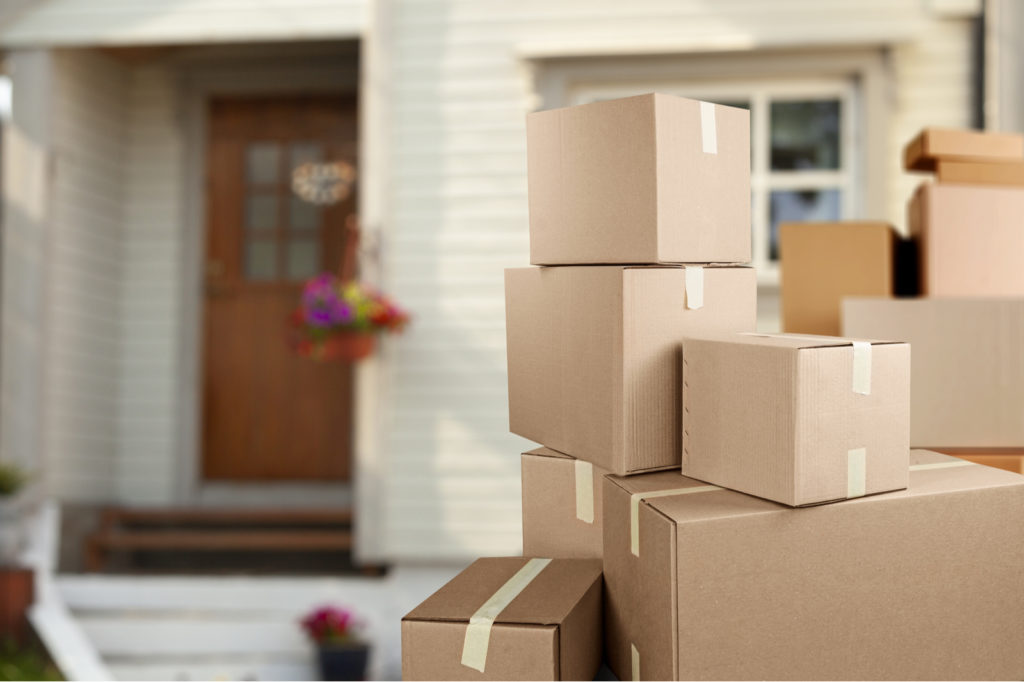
694	287
635	662
942	465
478	634
856	472
584	491
862	367
634	509
708	128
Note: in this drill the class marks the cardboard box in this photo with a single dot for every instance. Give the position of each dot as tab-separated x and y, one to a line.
915	584
823	262
969	239
561	506
800	420
939	144
594	354
544	624
647	179
967	377
1014	463
970	173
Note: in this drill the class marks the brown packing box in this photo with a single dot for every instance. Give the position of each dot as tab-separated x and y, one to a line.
561	506
1014	463
551	630
594	359
647	179
967	376
800	420
916	584
970	173
939	144
823	262
969	239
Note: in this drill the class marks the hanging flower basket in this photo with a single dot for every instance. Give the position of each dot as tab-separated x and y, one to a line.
339	320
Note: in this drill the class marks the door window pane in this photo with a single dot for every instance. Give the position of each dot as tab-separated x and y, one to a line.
262	163
303	259
303	215
261	211
805	135
813	205
304	152
260	260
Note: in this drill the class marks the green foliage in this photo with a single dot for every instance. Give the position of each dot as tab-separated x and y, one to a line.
22	663
12	478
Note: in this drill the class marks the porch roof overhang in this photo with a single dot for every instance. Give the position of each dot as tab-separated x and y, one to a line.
115	23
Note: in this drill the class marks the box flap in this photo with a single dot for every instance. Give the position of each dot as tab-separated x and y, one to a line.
547	452
795	341
547	600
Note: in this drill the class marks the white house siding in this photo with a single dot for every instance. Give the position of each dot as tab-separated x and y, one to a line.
455	210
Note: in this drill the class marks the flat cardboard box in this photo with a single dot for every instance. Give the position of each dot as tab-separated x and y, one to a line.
823	262
561	506
914	584
967	377
800	420
550	631
971	173
594	355
647	179
969	239
941	144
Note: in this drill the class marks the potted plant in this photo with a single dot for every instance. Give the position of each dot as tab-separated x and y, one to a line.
342	654
339	320
16	506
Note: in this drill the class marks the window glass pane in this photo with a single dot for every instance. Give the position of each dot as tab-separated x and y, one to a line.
260	260
262	162
261	211
303	259
304	152
800	206
304	215
805	135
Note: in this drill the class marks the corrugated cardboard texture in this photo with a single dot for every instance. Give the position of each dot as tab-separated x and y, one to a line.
776	416
967	173
594	360
967	376
550	631
938	144
550	524
969	239
823	262
628	181
911	584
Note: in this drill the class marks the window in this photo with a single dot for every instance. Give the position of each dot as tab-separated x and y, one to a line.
803	152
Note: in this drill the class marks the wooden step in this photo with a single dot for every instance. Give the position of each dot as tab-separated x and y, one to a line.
226	540
200	516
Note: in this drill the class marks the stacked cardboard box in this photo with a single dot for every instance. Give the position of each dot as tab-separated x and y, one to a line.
631	359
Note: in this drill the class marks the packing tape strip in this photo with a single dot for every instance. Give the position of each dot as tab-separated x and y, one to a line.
708	128
478	634
584	491
942	465
856	472
634	662
862	367
694	287
634	509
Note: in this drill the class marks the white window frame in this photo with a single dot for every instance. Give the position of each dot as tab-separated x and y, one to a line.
759	93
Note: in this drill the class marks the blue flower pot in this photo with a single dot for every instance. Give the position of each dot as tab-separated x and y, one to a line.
344	662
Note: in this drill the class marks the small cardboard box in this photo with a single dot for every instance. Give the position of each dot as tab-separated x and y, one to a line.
940	144
647	179
561	506
969	239
1014	463
970	173
823	262
594	356
533	619
967	377
800	420
915	584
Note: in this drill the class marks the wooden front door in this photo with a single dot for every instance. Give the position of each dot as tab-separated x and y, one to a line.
268	414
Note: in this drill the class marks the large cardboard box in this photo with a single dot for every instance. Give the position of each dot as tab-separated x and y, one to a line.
647	179
969	239
967	376
800	420
594	354
933	145
706	583
823	262
508	618
971	173
561	505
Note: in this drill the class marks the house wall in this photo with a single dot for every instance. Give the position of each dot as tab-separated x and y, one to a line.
455	210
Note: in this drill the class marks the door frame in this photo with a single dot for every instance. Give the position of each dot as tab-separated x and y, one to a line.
205	73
